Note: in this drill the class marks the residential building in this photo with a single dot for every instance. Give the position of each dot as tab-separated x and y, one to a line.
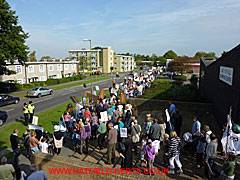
40	71
103	60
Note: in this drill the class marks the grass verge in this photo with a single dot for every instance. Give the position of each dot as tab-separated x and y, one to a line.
47	119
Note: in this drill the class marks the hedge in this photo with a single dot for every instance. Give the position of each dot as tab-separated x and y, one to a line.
20	87
180	78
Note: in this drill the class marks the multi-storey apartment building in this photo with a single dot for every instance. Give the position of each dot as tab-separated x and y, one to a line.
106	60
123	63
40	71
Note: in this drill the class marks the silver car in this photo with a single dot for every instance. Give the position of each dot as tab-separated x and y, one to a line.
39	91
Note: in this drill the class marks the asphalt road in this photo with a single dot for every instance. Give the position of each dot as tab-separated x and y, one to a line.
15	113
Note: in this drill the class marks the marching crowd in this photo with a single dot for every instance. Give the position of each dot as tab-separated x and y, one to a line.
114	125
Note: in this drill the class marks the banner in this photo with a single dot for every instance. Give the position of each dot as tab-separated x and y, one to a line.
35	127
123	98
230	141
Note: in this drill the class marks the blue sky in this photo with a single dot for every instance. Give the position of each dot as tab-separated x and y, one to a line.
135	26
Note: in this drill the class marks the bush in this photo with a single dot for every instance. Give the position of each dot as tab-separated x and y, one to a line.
180	78
19	87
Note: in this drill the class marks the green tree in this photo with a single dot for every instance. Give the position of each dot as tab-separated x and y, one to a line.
224	52
47	57
179	65
170	55
162	61
12	39
200	54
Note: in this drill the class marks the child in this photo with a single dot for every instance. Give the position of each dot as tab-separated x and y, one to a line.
150	153
44	145
143	145
164	158
201	146
75	138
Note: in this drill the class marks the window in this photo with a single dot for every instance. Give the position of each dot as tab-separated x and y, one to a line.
50	67
18	69
31	68
20	81
73	66
41	68
42	78
66	66
59	67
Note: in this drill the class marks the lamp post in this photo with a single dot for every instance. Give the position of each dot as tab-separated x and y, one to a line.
90	61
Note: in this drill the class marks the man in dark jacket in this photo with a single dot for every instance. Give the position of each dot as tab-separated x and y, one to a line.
15	146
178	122
155	131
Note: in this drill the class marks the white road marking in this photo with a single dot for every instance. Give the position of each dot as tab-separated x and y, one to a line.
9	110
42	100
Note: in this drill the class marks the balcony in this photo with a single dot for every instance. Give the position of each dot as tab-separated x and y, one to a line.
94	60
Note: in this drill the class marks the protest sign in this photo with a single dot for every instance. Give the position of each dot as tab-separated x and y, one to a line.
123	132
87	92
117	86
35	127
104	116
92	97
95	93
156	144
35	120
84	100
123	98
167	114
116	126
97	88
102	94
74	99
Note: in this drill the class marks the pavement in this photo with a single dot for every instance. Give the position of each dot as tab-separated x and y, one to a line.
58	97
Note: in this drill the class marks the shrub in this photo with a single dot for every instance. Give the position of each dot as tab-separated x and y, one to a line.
180	78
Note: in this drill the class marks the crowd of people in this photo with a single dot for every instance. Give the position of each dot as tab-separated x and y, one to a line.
121	132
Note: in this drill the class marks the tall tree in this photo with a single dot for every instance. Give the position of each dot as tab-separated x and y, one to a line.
12	38
32	56
162	61
170	55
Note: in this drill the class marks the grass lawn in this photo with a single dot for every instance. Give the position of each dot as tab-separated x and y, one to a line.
47	119
162	89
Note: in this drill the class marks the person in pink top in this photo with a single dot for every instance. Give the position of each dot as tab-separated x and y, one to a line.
87	114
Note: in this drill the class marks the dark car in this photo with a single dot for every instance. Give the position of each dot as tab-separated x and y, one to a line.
6	99
3	117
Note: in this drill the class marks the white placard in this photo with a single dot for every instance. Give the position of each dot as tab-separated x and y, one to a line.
35	120
123	132
116	126
104	116
156	144
116	86
120	108
95	93
226	74
167	114
97	88
35	127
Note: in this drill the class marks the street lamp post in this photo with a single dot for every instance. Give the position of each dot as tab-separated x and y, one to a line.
90	61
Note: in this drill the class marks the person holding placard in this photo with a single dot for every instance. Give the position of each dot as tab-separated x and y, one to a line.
102	132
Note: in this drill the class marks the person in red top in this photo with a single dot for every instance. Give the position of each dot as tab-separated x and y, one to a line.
87	113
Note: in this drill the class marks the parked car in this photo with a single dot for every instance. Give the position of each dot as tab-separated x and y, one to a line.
6	99
3	117
39	91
